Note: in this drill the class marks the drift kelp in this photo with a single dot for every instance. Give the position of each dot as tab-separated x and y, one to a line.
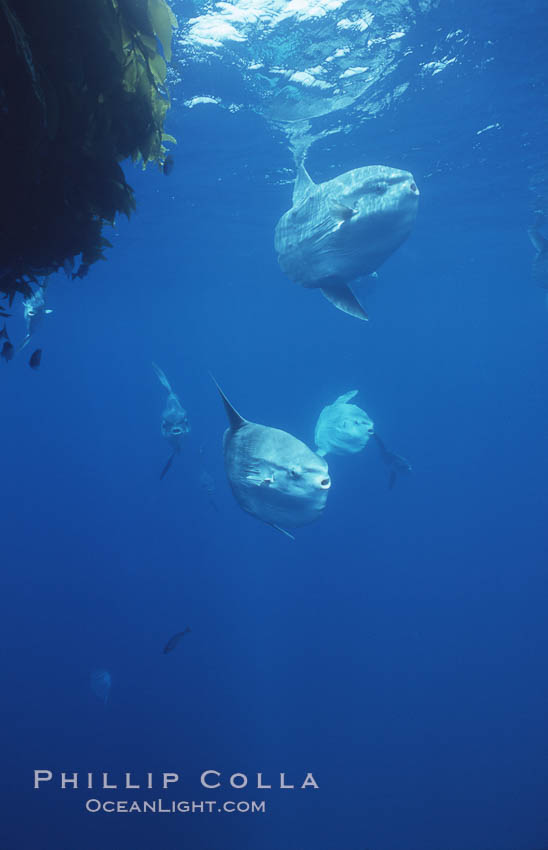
83	88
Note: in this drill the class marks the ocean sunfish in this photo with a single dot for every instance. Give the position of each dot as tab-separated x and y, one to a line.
174	419
342	428
345	228
273	475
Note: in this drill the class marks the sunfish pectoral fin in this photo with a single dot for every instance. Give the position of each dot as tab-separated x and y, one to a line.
161	377
235	420
282	530
303	184
344	299
342	212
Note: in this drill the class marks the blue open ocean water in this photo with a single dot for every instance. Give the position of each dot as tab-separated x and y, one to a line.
396	650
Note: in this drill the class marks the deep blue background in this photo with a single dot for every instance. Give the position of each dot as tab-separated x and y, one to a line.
398	647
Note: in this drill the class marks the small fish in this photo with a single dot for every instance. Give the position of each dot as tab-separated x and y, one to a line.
7	351
173	641
4	333
167	167
3	313
35	359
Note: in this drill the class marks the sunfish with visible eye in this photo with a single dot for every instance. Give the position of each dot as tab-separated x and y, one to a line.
345	228
273	475
174	419
342	428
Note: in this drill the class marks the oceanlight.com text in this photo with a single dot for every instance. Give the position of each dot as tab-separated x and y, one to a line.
176	806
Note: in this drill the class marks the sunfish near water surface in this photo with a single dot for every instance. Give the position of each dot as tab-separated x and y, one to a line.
273	475
342	428
340	230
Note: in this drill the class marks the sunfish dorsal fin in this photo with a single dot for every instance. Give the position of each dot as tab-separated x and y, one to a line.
235	420
161	377
347	396
303	184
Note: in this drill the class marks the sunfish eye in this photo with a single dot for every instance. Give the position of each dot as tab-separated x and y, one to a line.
294	473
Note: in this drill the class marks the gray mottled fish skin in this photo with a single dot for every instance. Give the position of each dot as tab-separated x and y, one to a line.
273	475
342	428
540	263
345	228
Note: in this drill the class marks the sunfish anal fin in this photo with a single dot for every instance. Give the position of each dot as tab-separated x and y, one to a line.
344	299
168	464
341	211
235	420
283	531
303	184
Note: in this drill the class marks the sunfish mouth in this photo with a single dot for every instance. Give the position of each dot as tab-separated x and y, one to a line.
325	483
176	432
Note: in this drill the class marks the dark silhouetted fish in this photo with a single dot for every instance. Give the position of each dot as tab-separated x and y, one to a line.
173	641
101	682
35	359
168	165
7	351
4	333
3	313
